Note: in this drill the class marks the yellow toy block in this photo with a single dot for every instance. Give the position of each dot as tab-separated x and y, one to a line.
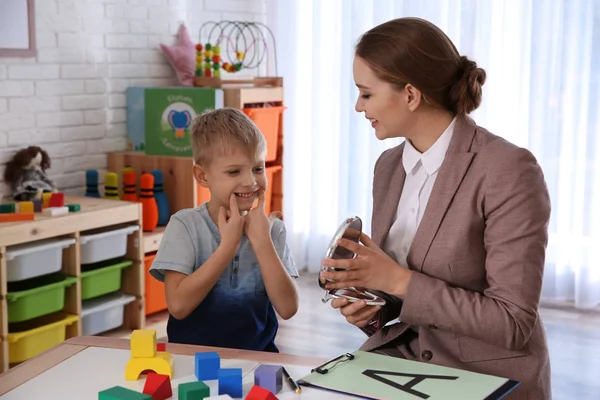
46	199
26	206
162	363
143	343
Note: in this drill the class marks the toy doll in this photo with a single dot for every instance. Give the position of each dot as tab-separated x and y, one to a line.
26	173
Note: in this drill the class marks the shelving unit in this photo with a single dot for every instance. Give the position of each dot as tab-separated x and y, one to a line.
94	214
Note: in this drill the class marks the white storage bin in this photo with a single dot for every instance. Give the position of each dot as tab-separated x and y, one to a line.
29	260
96	247
103	313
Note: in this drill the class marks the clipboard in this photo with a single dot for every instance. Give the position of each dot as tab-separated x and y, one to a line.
375	376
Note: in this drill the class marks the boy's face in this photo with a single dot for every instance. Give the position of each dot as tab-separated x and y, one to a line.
236	172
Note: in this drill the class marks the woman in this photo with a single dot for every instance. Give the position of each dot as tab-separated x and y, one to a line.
459	221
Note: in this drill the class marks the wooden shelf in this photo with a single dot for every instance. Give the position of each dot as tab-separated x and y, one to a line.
152	239
95	213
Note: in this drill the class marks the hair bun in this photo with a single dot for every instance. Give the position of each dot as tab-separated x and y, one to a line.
466	92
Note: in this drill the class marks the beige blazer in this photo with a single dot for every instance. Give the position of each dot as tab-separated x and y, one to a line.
477	260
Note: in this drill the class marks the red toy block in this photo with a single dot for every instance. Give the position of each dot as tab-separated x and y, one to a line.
57	200
161	347
158	386
260	393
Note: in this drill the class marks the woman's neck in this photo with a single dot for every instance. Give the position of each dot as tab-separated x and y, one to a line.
428	128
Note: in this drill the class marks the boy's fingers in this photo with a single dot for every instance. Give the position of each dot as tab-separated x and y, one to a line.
222	216
233	205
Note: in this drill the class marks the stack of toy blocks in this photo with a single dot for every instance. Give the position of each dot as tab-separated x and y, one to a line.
49	204
208	367
144	356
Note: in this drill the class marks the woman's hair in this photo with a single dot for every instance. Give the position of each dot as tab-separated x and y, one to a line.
415	51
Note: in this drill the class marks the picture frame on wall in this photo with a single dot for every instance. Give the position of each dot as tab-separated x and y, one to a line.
17	28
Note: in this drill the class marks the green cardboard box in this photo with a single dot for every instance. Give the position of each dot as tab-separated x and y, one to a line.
159	120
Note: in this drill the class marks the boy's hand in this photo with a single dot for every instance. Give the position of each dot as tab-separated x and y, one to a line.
232	227
258	225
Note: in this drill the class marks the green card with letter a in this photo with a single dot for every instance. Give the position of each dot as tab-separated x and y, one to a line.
376	376
169	113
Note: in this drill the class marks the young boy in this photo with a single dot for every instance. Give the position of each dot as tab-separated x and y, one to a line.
226	266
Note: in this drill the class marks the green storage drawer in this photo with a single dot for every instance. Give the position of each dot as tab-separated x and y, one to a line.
38	296
102	278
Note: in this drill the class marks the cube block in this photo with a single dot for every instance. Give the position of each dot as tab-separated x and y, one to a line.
230	382
207	365
193	391
269	377
143	343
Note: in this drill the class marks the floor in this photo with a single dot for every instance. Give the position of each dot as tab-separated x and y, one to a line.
317	329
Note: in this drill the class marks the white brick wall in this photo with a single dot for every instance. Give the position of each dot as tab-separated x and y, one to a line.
70	99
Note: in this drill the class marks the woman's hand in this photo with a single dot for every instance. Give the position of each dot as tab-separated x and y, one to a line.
258	224
358	313
372	268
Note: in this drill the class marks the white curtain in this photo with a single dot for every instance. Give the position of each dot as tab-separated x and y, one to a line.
543	93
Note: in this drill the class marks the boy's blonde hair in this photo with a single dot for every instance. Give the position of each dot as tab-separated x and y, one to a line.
214	131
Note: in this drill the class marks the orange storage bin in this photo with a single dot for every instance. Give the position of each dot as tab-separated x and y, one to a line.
203	195
268	120
155	290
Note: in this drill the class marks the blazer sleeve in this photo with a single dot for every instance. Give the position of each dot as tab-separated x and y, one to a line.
516	211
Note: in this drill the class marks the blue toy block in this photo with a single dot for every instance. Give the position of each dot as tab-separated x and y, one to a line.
269	377
207	364
230	382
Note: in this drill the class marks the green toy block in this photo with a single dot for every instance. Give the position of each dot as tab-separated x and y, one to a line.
193	391
121	393
7	208
74	207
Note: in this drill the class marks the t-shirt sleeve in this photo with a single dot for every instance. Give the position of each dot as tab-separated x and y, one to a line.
282	248
176	252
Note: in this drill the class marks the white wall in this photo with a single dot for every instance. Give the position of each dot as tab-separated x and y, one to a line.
70	99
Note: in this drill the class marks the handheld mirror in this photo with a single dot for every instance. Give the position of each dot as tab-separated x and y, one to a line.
350	229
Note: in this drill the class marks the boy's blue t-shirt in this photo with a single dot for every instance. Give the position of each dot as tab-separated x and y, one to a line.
237	312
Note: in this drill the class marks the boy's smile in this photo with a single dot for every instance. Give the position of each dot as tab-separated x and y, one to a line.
239	172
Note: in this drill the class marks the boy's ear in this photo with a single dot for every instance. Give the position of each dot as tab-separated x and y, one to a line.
200	175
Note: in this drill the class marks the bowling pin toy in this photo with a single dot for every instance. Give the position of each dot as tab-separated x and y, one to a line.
111	186
160	197
129	186
149	207
91	183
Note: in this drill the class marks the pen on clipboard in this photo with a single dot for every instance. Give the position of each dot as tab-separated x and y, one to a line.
292	383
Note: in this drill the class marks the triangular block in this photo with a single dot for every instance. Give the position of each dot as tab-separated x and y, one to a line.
158	386
260	393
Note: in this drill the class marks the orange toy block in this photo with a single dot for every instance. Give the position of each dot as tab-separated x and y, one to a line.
260	393
26	207
158	386
57	200
16	217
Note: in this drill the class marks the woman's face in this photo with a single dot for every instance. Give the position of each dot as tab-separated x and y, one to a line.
386	106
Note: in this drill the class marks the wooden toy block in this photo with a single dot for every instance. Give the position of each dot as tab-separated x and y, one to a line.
158	386
143	343
193	391
55	211
161	363
57	200
7	208
260	393
46	199
16	217
121	393
37	205
220	397
26	207
230	382
269	377
207	365
74	207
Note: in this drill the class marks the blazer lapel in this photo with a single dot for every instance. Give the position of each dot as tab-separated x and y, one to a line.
451	173
387	189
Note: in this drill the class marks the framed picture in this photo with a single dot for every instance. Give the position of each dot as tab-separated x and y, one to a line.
17	28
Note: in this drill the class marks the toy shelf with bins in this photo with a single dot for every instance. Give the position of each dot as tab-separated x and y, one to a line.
55	275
